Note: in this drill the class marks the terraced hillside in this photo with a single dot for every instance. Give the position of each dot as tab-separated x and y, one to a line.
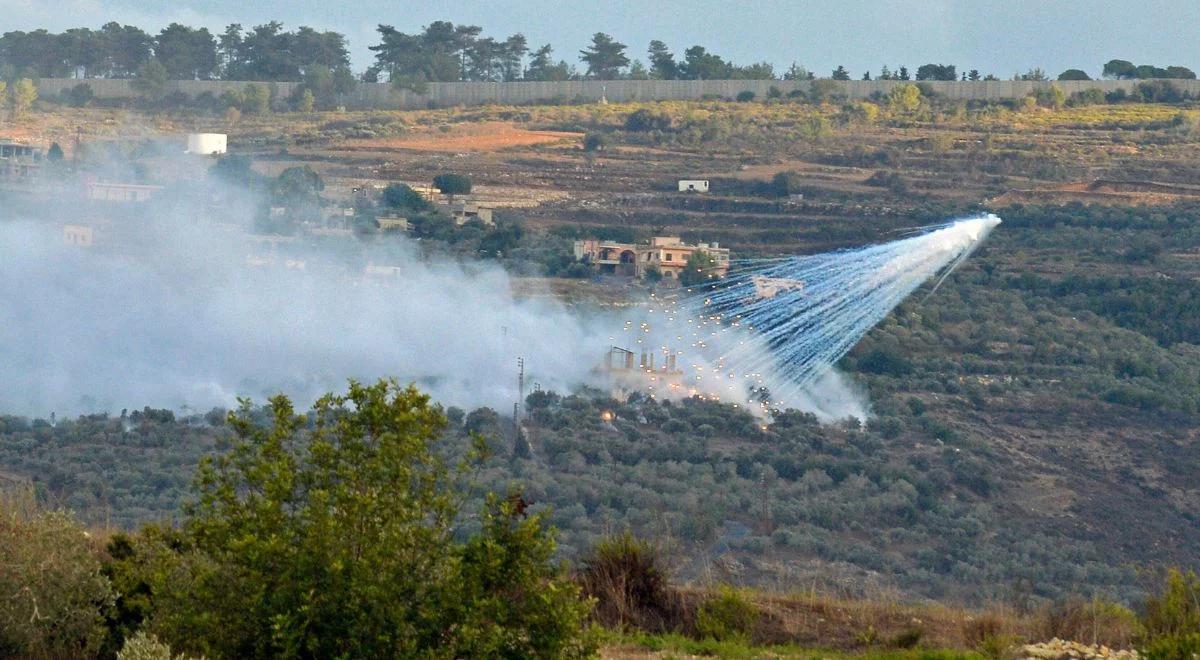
1034	419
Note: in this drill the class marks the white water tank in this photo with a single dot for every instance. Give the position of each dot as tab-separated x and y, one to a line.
206	144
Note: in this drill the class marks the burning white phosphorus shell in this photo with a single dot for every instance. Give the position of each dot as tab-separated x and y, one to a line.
813	310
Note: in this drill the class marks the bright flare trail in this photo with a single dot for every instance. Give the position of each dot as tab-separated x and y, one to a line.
772	330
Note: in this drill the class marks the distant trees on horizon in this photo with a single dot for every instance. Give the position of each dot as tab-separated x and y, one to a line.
440	52
266	52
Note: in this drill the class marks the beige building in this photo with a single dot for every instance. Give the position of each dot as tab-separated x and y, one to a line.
464	212
666	254
19	161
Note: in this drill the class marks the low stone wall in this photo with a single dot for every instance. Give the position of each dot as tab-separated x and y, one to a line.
382	95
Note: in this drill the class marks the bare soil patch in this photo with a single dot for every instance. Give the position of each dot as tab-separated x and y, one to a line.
478	137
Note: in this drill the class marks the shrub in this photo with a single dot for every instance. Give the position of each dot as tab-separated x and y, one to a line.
1160	91
625	576
904	98
989	635
80	95
306	101
744	96
726	615
908	638
865	112
52	595
645	119
1170	625
256	99
144	647
595	142
1093	622
1182	647
786	183
207	102
893	181
1090	96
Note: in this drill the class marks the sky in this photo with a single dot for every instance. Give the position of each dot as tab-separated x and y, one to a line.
995	36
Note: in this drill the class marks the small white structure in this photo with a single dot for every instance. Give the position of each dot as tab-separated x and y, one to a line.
119	192
693	185
206	144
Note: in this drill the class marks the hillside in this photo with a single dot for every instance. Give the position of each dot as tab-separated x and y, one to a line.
1033	432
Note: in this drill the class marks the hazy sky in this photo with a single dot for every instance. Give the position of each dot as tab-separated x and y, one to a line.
995	36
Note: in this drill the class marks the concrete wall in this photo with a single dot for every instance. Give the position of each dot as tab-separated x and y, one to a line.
123	88
381	95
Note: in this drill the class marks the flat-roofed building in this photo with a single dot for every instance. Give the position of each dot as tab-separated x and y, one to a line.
666	254
19	161
464	212
120	192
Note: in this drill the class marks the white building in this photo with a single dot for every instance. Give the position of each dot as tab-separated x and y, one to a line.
207	144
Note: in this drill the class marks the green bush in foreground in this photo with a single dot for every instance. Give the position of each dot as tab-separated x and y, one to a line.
334	535
727	615
52	594
146	647
625	576
1171	623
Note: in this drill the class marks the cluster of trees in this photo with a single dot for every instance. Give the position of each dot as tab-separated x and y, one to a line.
19	97
266	52
441	52
699	64
1126	70
444	52
925	72
334	534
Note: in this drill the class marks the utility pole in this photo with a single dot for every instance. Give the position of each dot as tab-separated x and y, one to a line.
520	382
766	498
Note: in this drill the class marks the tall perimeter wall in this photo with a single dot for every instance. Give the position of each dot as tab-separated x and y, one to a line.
382	95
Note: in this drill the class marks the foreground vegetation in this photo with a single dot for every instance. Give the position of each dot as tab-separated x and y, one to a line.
341	532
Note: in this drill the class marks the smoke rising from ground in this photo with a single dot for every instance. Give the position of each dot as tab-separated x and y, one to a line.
177	309
181	318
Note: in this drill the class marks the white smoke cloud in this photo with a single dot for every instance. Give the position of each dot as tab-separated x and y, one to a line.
179	317
186	311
